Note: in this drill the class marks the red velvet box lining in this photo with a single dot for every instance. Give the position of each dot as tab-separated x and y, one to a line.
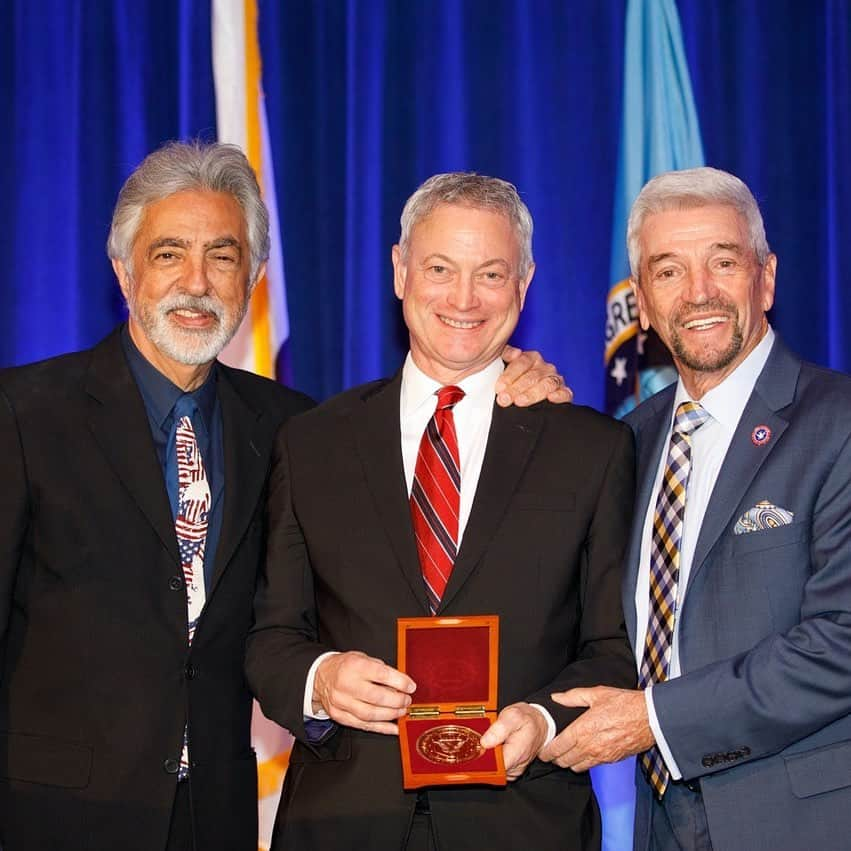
415	727
449	665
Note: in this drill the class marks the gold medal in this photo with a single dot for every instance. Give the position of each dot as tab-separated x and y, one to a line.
449	744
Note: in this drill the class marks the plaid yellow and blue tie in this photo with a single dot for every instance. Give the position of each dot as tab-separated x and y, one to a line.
665	569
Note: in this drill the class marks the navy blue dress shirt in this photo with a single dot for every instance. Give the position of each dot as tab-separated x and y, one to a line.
159	395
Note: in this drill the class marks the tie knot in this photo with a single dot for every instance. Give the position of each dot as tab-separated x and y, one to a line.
185	406
690	417
448	397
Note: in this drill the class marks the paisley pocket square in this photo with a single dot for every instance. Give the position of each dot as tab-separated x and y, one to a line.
763	515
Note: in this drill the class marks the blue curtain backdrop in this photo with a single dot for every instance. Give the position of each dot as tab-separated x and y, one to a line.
368	97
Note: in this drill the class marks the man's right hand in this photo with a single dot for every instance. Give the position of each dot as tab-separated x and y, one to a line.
359	691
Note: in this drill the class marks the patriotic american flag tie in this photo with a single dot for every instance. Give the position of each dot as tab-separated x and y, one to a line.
665	569
190	525
436	496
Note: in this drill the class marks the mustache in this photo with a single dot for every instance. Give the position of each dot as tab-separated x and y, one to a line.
184	301
688	312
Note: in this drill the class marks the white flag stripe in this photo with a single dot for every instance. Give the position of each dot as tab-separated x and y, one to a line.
241	120
278	313
229	71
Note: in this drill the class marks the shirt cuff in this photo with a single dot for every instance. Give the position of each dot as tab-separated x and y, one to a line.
307	708
670	762
551	725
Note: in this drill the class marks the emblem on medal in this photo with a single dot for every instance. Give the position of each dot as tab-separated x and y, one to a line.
449	744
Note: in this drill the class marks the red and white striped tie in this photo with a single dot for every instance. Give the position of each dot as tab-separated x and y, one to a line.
436	496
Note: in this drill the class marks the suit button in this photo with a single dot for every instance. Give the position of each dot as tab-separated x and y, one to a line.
175	583
171	766
191	672
707	762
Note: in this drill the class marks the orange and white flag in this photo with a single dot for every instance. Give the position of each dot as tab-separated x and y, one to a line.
241	120
257	346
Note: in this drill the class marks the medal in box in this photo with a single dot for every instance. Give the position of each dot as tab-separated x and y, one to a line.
453	661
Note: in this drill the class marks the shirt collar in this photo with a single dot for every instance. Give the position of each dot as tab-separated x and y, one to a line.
726	402
418	389
160	393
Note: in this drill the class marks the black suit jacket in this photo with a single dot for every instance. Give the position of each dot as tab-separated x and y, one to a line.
542	549
97	679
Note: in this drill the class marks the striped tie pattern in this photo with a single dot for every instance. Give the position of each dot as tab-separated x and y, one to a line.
190	524
665	569
436	496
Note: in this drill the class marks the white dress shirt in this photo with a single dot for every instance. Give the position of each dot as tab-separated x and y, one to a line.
472	415
709	444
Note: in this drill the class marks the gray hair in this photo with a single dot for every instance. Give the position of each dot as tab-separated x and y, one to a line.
190	166
686	190
468	189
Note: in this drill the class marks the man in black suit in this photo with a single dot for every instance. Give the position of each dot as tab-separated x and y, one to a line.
545	493
99	685
99	682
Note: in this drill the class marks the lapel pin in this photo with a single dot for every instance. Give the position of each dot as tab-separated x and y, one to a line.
760	435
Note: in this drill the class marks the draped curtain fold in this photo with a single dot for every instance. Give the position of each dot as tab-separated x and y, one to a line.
366	98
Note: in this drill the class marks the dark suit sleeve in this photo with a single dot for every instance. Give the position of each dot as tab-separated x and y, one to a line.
603	655
283	642
791	683
13	508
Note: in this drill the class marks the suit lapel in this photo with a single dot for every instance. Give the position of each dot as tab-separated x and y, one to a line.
378	440
513	434
774	390
246	463
120	426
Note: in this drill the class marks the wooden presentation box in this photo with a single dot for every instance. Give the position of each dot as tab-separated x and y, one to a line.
454	663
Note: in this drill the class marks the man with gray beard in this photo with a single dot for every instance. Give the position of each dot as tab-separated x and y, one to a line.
132	524
125	596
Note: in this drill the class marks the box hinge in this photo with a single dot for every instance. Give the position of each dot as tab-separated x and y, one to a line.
424	712
469	711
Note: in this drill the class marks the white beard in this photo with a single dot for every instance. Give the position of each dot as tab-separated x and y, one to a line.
188	346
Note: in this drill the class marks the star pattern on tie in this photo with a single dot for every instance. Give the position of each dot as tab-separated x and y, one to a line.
190	526
665	569
436	496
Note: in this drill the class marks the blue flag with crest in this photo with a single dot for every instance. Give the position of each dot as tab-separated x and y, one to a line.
659	132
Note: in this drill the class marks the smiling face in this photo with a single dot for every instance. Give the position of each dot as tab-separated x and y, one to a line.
189	285
460	289
703	291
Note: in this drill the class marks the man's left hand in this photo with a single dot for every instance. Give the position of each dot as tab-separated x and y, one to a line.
615	726
528	379
521	730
